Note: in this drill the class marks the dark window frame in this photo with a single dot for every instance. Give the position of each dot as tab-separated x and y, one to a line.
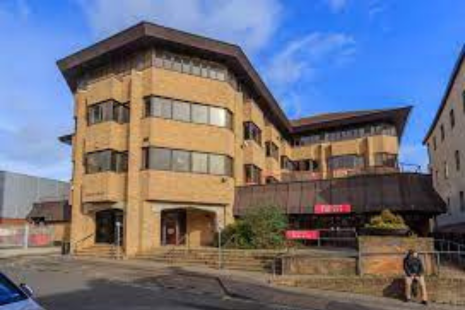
252	132
108	111
252	174
118	162
272	150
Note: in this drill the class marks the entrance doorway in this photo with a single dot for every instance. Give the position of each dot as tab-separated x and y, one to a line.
173	227
106	226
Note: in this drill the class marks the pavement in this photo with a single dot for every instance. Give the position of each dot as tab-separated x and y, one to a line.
69	283
17	252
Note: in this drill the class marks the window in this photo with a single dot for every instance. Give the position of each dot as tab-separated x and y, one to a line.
217	164
181	111
386	160
186	161
446	170
107	111
443	133
435	143
188	112
167	61
200	114
253	174
199	162
252	132
286	163
196	67
272	150
462	201
346	162
218	117
307	165
452	118
186	65
463	100
159	107
457	160
107	160
181	161
159	159
177	65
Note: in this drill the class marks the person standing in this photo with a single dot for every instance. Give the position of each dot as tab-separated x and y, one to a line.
414	270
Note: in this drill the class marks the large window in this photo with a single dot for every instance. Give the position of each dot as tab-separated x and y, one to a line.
107	160
187	112
272	150
252	132
346	162
186	161
386	160
107	111
253	174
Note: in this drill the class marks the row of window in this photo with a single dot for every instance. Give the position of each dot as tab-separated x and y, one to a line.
186	161
161	159
340	162
458	166
107	160
161	59
452	122
106	111
346	134
188	112
461	202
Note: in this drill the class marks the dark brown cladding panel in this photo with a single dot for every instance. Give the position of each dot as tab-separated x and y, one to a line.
399	192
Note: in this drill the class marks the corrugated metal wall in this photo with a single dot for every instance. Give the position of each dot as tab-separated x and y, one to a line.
20	192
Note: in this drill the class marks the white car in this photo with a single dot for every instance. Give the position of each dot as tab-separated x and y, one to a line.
13	297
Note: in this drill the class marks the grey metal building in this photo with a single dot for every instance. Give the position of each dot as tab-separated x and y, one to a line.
18	193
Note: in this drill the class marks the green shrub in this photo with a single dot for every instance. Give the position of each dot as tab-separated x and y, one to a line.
262	227
387	220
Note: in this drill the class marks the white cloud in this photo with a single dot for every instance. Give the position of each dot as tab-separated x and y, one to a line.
249	23
337	5
303	57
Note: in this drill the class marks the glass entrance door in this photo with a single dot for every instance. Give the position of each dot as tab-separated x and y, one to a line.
106	226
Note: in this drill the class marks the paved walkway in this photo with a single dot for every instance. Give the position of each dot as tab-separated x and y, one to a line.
10	253
257	287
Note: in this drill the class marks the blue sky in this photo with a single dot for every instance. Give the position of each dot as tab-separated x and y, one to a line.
315	55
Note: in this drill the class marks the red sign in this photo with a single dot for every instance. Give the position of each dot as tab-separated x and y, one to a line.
302	234
329	209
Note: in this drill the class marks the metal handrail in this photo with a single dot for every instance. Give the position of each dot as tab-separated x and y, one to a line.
82	240
230	239
174	247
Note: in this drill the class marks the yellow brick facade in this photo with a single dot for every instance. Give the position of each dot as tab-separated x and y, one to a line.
145	195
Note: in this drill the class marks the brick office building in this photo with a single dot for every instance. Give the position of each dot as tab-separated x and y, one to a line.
170	124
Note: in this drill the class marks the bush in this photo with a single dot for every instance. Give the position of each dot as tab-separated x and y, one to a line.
387	220
261	227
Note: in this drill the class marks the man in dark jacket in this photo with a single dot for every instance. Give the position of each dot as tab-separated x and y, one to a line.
413	268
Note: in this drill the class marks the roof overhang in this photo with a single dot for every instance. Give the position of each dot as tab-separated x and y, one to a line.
398	117
145	35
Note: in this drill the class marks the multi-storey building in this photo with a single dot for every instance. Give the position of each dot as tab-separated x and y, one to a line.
445	141
169	124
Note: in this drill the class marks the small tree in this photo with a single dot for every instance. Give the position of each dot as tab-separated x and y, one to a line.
262	227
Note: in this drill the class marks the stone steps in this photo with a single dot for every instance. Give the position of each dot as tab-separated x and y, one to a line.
100	251
231	259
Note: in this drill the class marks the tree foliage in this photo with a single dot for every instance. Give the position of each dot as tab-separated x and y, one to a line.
262	227
387	220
